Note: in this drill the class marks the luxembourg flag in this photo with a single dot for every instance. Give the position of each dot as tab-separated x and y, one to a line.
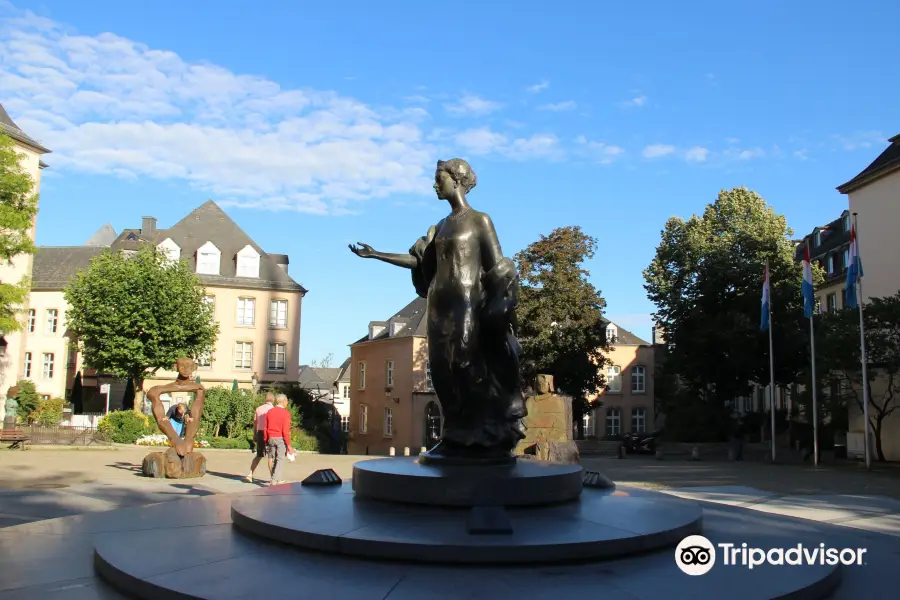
809	298
854	269
764	318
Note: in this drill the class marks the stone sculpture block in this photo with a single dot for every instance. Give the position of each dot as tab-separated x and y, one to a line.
169	465
548	425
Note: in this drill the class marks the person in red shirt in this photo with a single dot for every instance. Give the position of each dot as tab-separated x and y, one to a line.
278	437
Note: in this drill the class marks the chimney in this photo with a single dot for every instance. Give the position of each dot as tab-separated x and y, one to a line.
148	226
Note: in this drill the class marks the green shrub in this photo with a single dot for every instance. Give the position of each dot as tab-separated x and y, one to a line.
123	426
27	398
303	441
229	443
48	412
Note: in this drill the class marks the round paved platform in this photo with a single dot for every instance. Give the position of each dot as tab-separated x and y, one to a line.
521	483
602	525
196	553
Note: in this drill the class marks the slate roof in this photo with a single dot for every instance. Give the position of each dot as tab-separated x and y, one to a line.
209	223
321	378
9	127
887	162
55	266
834	239
104	236
345	371
414	316
625	337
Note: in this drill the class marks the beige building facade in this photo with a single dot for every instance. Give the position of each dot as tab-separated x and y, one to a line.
12	344
874	196
392	401
255	301
627	402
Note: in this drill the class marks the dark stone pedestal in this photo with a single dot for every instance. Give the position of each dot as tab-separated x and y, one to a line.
169	465
522	483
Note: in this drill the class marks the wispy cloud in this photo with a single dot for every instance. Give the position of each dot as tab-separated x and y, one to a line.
483	141
470	104
658	150
861	139
601	152
538	87
559	106
636	102
417	99
696	154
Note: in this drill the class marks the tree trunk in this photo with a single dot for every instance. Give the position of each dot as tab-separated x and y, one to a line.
138	384
879	450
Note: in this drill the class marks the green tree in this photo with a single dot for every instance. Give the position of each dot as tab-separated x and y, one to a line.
838	345
706	283
134	315
560	314
18	208
27	398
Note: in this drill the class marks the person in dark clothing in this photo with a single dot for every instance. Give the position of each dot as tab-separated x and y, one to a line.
178	415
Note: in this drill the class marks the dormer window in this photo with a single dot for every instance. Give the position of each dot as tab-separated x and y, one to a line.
612	333
846	220
397	327
208	259
170	249
817	238
248	262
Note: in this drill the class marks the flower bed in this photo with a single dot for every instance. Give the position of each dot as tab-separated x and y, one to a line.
160	439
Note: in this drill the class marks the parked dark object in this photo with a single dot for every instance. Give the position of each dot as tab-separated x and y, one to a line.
640	443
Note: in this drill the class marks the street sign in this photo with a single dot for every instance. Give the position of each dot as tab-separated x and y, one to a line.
104	389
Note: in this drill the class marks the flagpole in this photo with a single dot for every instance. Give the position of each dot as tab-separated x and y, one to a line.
815	413
771	363
862	348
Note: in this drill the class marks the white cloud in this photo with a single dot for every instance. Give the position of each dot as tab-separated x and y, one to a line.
538	87
559	106
862	139
636	102
600	151
750	153
109	105
658	150
696	154
470	104
732	140
483	141
801	154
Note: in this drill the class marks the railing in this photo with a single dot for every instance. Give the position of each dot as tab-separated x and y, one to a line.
62	435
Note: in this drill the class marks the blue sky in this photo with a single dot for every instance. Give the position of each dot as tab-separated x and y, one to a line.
316	126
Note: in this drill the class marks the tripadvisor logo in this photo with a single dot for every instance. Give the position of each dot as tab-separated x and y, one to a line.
696	555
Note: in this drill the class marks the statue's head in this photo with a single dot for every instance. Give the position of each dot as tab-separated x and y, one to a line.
185	367
451	175
13	392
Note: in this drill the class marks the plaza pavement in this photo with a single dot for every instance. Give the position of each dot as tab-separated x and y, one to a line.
48	483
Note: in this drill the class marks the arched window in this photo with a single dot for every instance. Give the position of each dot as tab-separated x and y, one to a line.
433	424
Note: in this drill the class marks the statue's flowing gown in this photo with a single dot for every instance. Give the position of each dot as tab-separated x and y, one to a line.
472	346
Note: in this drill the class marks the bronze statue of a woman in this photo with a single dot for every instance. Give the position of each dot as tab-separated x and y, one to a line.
472	292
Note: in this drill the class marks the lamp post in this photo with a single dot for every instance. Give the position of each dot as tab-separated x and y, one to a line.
254	383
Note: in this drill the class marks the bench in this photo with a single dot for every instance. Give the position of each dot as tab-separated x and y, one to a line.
15	438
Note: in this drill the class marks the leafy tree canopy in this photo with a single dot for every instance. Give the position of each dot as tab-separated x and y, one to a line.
18	208
560	313
706	282
839	348
136	314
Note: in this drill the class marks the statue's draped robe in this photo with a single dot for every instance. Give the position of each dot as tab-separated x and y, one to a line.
477	380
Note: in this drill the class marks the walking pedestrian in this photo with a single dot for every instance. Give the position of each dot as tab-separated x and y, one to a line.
259	435
278	437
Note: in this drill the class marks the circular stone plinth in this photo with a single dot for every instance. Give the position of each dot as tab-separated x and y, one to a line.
522	483
602	525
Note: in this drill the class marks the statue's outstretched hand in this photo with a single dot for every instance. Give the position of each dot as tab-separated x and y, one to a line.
362	250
